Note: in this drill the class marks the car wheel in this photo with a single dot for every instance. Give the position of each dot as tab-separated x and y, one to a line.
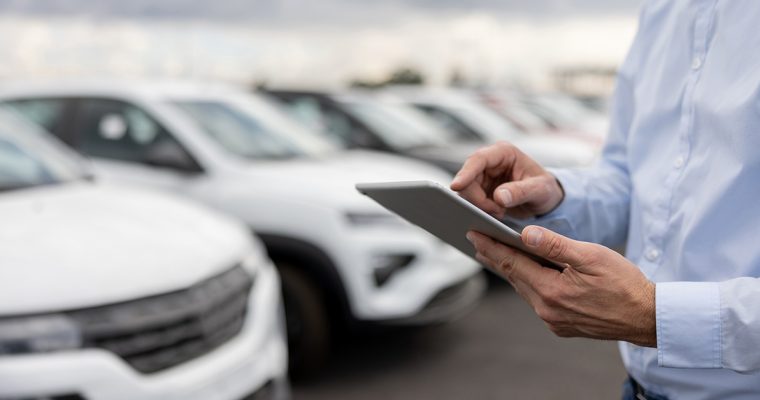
307	322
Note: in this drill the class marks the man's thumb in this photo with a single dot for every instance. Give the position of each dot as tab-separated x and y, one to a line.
516	193
552	246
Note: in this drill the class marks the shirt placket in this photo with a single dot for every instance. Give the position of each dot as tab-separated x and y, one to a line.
655	242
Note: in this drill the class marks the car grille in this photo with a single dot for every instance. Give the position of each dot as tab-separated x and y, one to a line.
159	332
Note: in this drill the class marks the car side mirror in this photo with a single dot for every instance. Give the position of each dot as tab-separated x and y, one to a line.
167	154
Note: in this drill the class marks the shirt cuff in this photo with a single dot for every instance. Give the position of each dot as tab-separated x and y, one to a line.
563	218
688	324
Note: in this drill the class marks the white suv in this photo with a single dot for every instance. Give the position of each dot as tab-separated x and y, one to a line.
339	254
109	293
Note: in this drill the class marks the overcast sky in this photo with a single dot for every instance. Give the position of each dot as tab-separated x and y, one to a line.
314	11
311	42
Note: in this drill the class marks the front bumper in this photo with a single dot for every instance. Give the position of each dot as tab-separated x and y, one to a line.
435	267
238	368
450	303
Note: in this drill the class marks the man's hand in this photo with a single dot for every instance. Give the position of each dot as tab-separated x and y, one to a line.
502	180
599	295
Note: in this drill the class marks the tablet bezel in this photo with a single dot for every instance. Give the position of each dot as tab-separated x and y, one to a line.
403	198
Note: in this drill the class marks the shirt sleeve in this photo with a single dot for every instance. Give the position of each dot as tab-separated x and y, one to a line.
596	206
688	319
597	200
709	324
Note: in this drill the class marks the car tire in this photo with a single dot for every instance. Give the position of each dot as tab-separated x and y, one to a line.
307	322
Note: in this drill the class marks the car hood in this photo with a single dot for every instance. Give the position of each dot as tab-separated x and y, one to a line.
79	245
547	150
330	181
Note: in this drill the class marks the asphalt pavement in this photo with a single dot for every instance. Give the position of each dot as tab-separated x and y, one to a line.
499	351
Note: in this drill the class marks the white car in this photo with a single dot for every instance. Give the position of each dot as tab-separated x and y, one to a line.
565	112
463	112
109	293
340	254
512	106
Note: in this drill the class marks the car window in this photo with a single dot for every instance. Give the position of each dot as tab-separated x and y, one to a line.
450	123
522	116
339	126
307	111
252	127
401	126
47	113
325	120
236	131
489	125
119	130
28	157
20	169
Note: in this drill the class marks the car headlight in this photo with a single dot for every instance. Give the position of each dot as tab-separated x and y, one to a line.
38	334
374	219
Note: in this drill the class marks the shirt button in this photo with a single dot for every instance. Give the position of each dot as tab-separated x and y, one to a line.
696	63
678	163
652	254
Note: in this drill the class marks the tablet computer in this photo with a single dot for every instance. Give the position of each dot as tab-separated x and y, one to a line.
445	214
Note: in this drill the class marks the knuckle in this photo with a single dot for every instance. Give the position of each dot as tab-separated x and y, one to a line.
506	264
520	192
552	317
591	253
546	185
556	248
503	145
480	153
561	332
551	295
547	314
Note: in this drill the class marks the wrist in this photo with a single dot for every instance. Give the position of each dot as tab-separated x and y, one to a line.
645	329
556	195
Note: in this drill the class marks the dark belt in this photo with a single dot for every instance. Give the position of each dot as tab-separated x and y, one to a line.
639	393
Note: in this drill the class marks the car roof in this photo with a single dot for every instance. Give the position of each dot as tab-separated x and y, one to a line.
113	87
295	92
439	95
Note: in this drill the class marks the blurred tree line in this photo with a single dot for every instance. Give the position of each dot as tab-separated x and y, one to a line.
402	76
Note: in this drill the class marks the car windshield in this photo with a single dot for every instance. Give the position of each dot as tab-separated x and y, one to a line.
29	159
488	123
252	128
399	125
563	111
523	116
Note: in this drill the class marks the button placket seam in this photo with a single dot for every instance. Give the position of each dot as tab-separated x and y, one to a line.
699	48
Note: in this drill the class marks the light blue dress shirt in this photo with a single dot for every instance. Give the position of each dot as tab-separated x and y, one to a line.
680	179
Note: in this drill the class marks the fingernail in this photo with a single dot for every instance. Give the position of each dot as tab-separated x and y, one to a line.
533	237
470	236
504	196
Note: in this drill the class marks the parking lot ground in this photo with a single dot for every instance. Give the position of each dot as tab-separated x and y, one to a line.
499	351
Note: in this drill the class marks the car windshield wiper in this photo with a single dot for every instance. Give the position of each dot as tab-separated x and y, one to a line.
27	185
422	146
10	188
284	156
